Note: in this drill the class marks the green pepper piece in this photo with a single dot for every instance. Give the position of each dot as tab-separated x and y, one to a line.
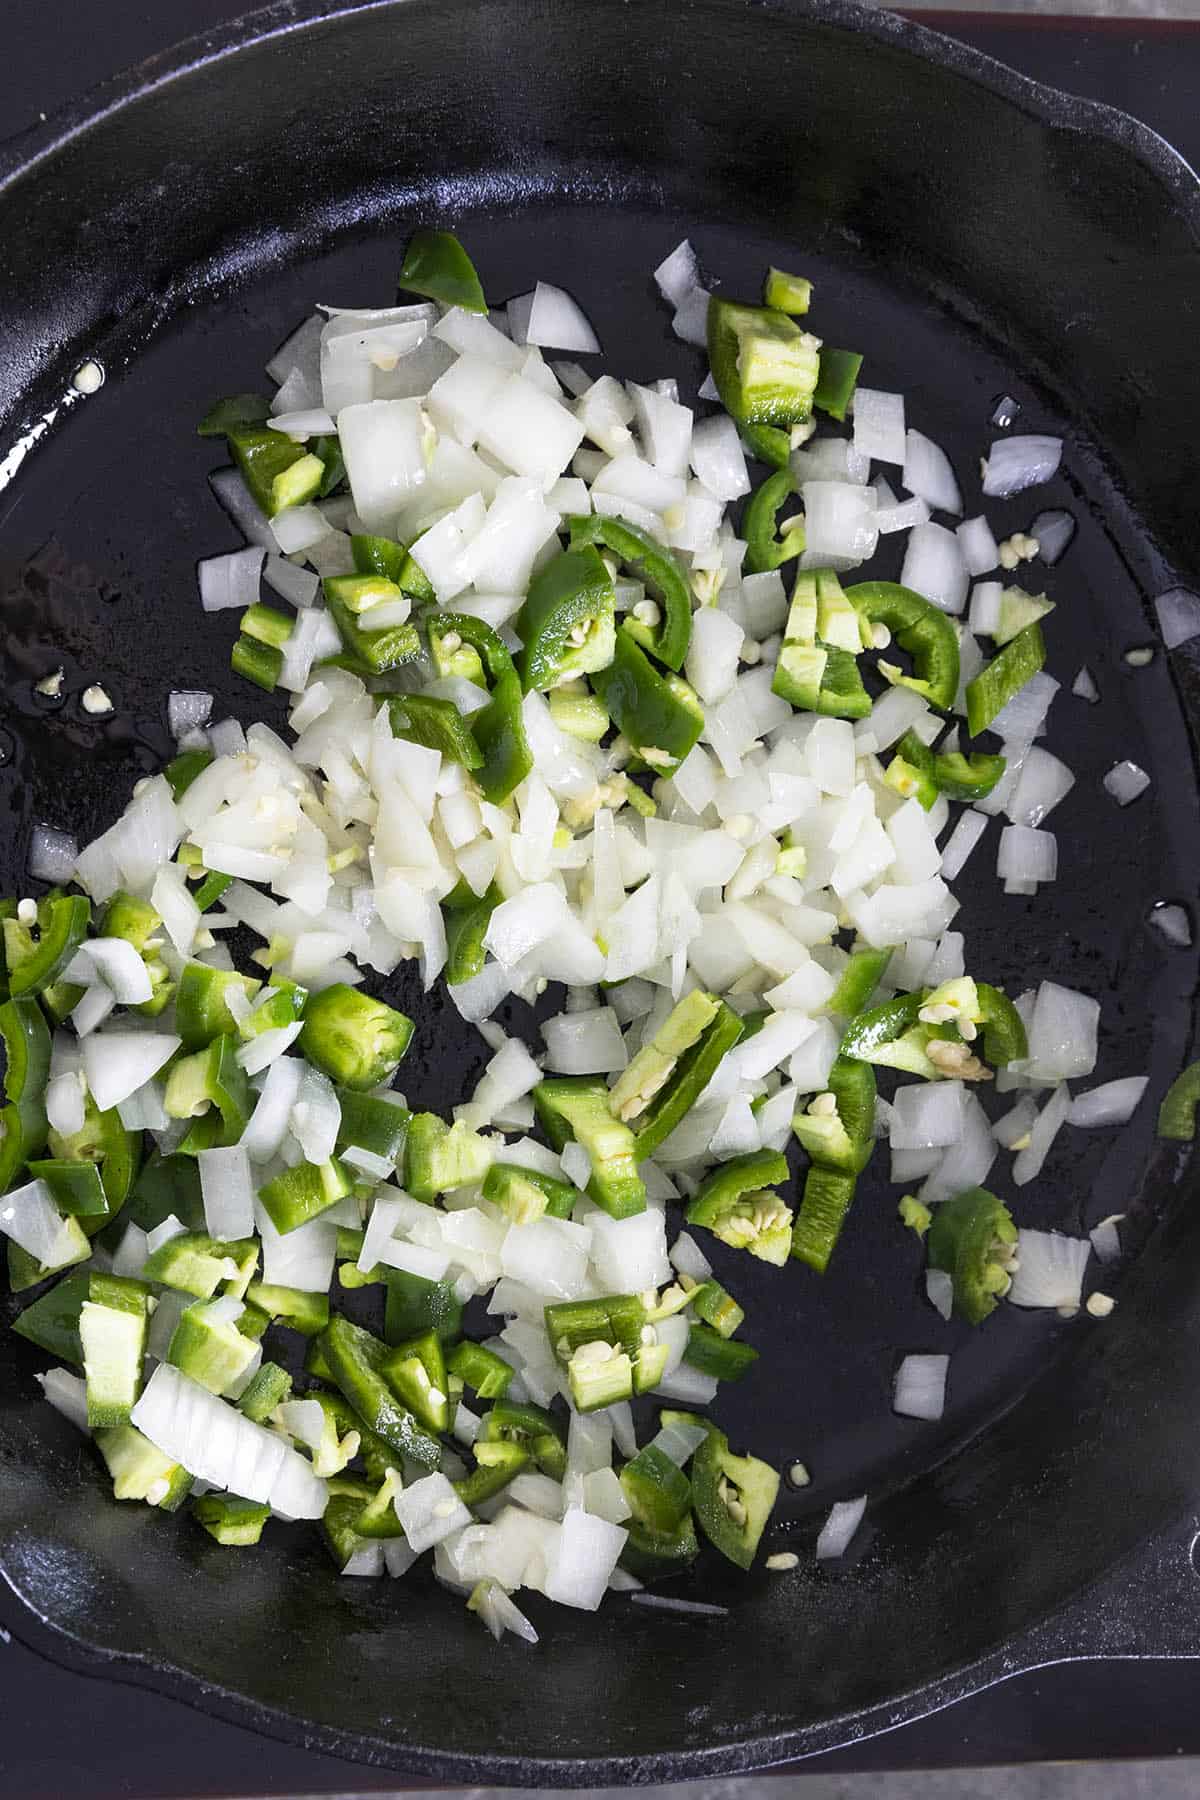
233	414
304	1193
480	1369
921	631
358	1042
659	714
499	729
232	1521
1177	1114
682	1061
103	1140
416	1373
383	556
880	1025
339	1521
438	724
440	1157
912	772
197	1264
1004	1038
269	1387
112	1333
26	1039
858	981
842	1138
766	444
278	472
658	1492
259	663
828	1194
765	368
710	1302
139	1470
210	1079
733	1497
494	659
962	777
726	1358
279	1006
378	1517
52	1320
566	623
496	1464
372	652
356	1361
576	1106
971	1239
836	380
533	1428
329	450
659	572
615	1319
75	1187
201	1007
436	265
738	1204
167	1185
371	1123
656	1555
252	1322
466	927
60	999
999	680
766	546
578	712
140	925
210	890
415	1305
525	1195
37	955
183	769
307	1313
786	293
266	625
342	1422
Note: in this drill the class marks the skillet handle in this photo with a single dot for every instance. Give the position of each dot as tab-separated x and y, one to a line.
1148	1607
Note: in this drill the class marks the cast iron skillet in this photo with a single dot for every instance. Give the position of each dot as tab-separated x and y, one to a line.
975	234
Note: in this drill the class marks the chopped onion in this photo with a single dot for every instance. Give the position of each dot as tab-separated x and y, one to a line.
1022	719
585	1043
229	581
269	1121
1016	463
67	1394
927	472
901	516
1173	923
980	550
987	598
585	1554
920	1387
186	710
928	1116
30	1218
1084	686
934	567
691	317
1125	781
843	1521
556	322
688	1258
1042	783
1178	616
1053	531
718	458
1028	1162
1026	855
840	527
117	1063
227	1190
678	274
1105	1239
689	1386
1112	1103
962	841
1062	1034
879	425
939	1290
52	854
1049	1270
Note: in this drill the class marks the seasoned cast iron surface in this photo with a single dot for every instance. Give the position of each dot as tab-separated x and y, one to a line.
970	248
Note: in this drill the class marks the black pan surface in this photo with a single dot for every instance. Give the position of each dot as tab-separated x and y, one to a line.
975	236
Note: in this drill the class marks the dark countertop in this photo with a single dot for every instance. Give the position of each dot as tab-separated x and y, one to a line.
70	1734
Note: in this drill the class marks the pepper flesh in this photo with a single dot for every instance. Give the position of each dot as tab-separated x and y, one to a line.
356	1361
436	265
659	714
767	547
33	963
842	1138
658	1492
566	622
764	366
836	380
201	1007
828	1194
355	1040
384	556
436	723
1177	1114
466	928
210	1087
371	652
858	981
1006	674
921	631
278	472
737	1203
656	568
733	1497
726	1358
971	1239
576	1106
1004	1038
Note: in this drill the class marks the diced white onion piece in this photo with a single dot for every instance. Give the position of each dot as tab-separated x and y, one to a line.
52	854
116	963
550	1257
117	1063
678	273
967	832
1173	923
1053	531
384	446
1105	1239
1016	1124
1062	1034
1112	1103
1016	463
316	1115
292	583
1028	1162
966	1163
902	516
843	1521
30	1218
927	1115
927	471
879	425
840	527
920	1387
831	459
691	317
180	915
232	580
1178	616
584	1556
1042	783
1084	686
979	548
687	1257
1022	719
1125	781
269	1121
939	1290
1026	855
245	512
934	567
67	1394
987	597
718	458
227	1189
556	322
1049	1270
219	1445
689	1386
679	1442
630	1255
585	1043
